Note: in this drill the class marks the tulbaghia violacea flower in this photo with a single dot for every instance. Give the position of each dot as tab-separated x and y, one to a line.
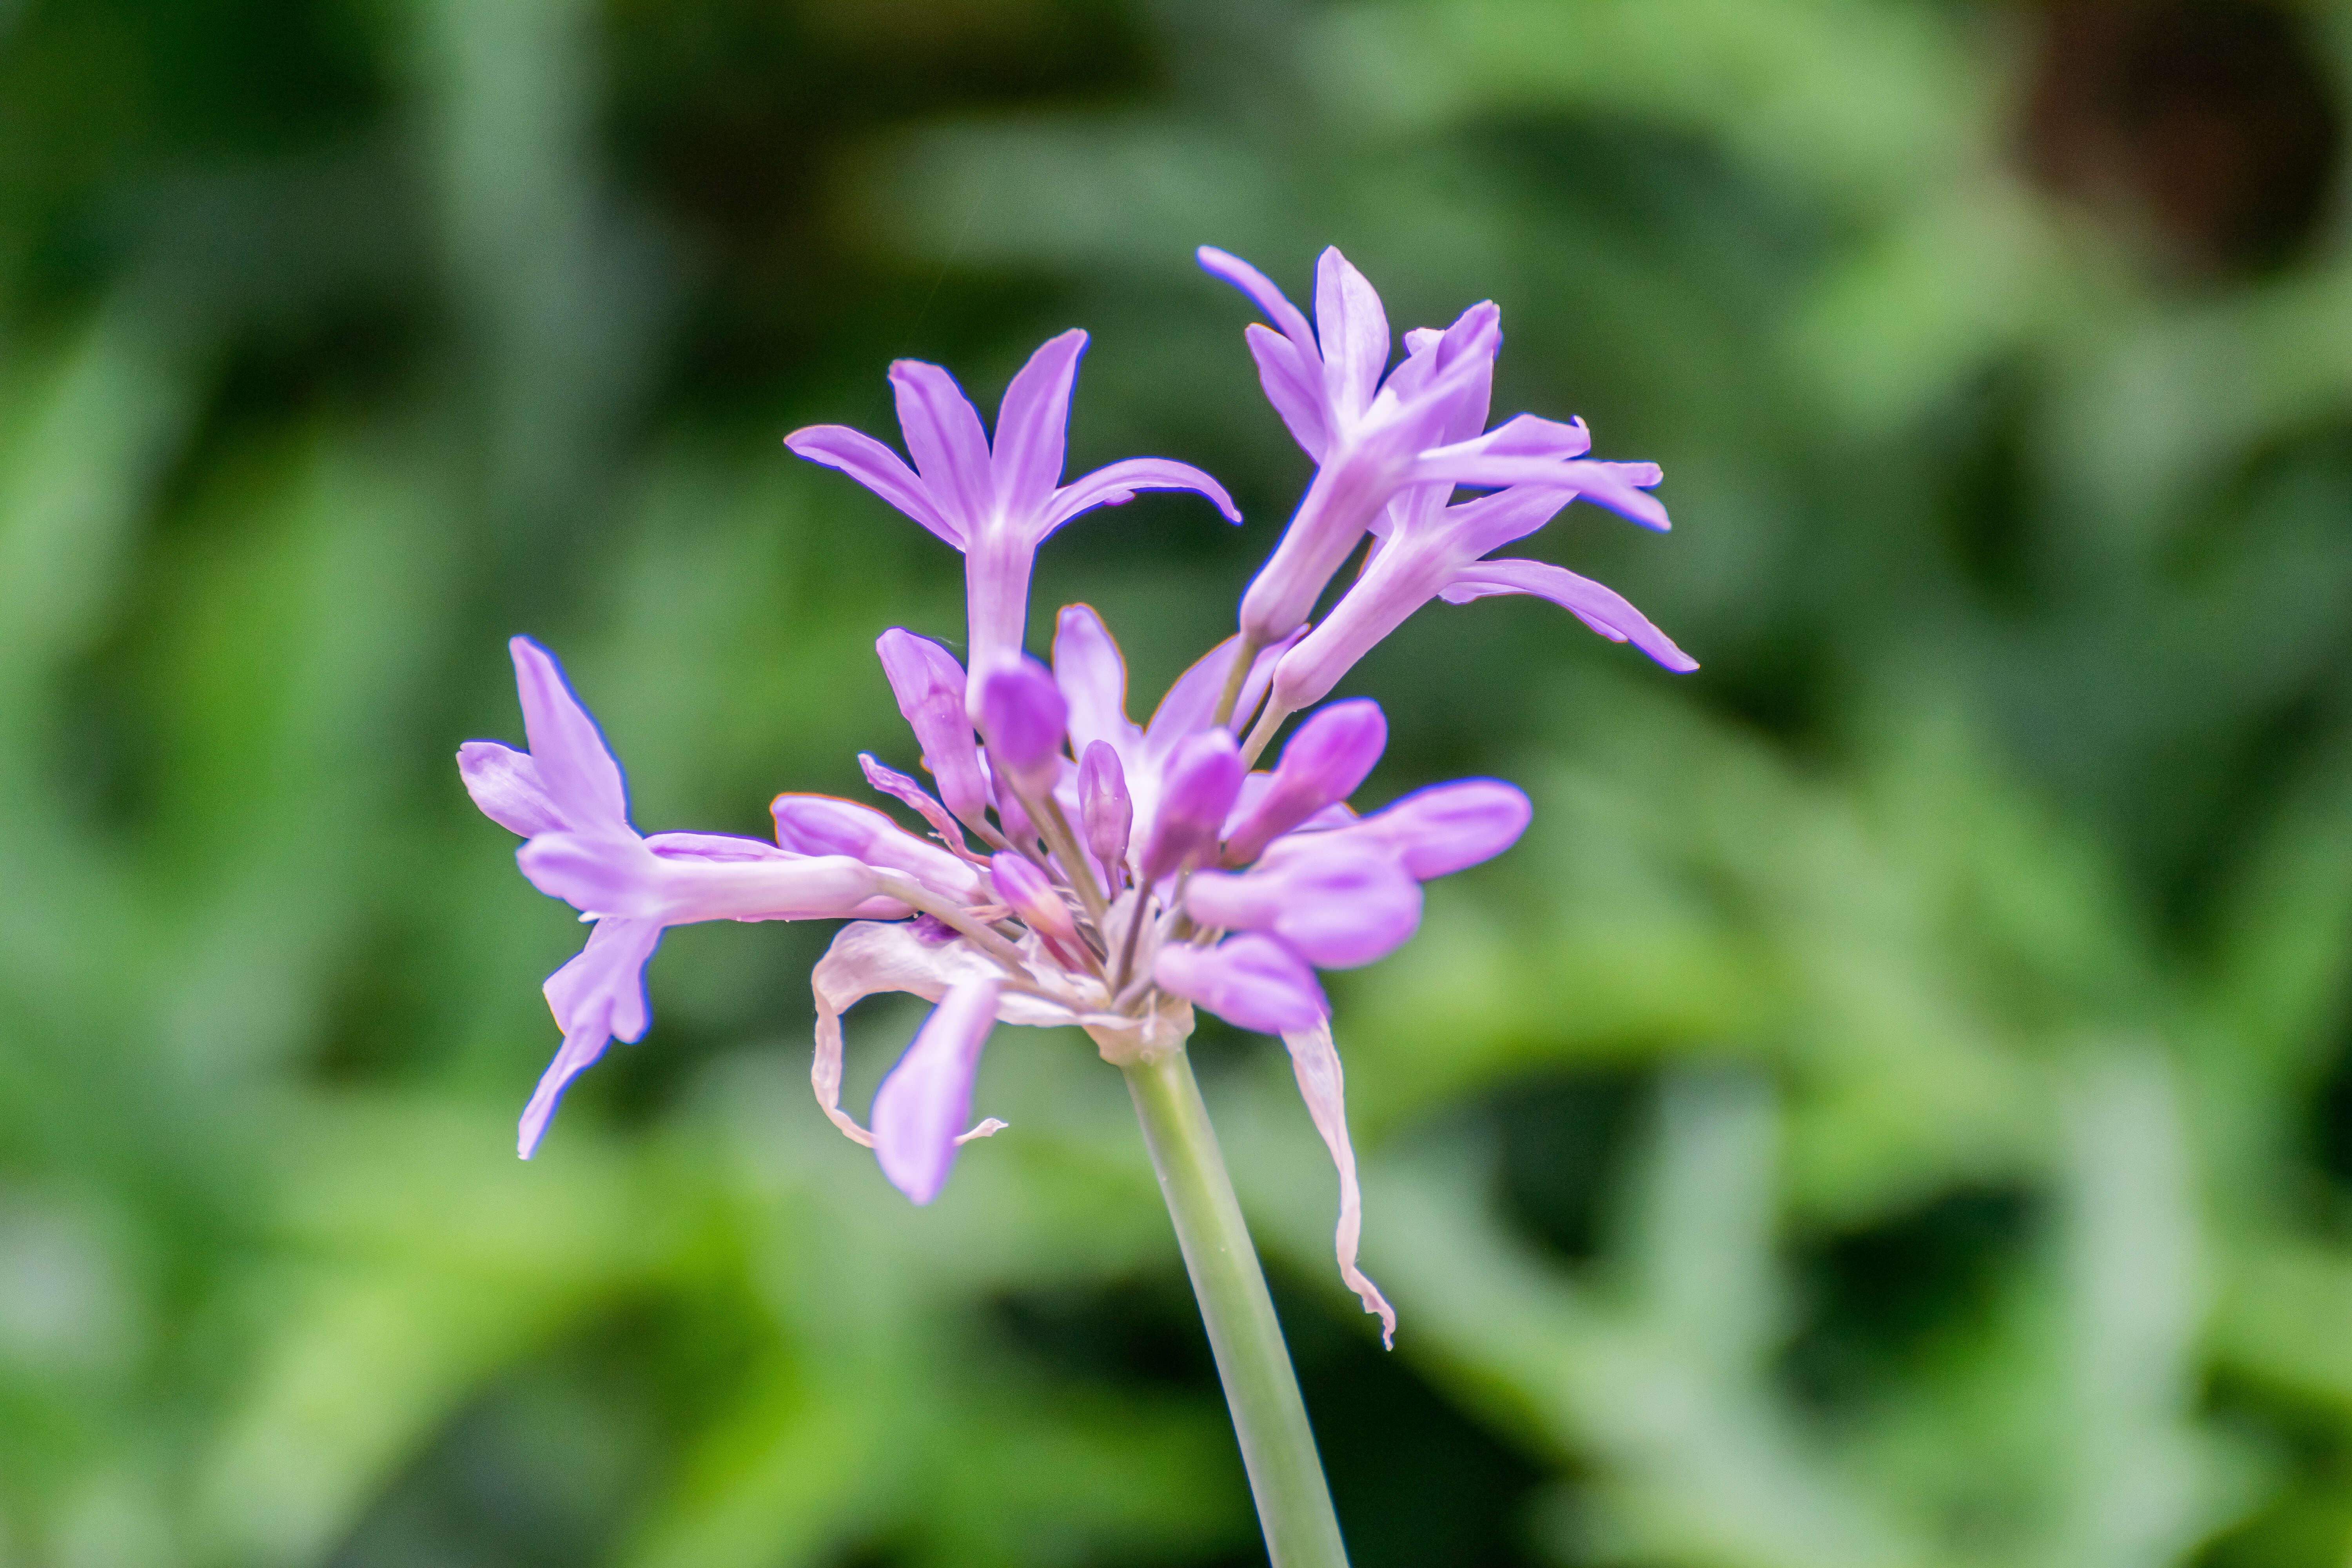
995	504
1124	874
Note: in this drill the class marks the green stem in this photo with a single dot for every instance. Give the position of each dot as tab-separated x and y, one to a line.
1294	1505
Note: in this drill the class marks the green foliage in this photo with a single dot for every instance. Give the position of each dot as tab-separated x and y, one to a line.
1889	1112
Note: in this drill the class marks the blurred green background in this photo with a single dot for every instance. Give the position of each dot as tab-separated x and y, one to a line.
1894	1110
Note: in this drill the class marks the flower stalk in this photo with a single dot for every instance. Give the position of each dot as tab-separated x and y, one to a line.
1286	1475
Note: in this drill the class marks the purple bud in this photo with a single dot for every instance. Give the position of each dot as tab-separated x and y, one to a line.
1019	830
1448	827
1023	716
1331	754
920	1109
929	687
1251	981
1104	806
820	825
1024	887
1339	906
1203	775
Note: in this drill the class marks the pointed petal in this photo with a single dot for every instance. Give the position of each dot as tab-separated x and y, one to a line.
1092	674
505	785
1276	305
1354	333
951	451
1602	608
579	1052
928	686
1293	386
596	998
922	1108
574	765
878	468
1314	1061
1620	486
1031	423
1115	486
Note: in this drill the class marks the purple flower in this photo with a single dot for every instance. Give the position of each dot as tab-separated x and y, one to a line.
1203	775
1348	905
996	505
1371	438
1322	765
566	797
1432	550
1253	981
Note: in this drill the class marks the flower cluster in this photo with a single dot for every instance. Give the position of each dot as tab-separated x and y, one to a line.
1079	867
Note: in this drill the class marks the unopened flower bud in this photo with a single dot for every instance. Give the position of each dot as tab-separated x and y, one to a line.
929	687
1253	980
1336	906
1023	716
1024	887
1331	753
1203	775
1104	806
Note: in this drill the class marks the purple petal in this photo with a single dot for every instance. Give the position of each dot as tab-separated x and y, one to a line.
1324	761
1026	889
1092	675
1276	305
820	825
1347	905
1316	1063
1021	716
598	997
1192	701
574	765
1203	776
878	468
928	684
1116	485
1293	386
1603	610
951	451
906	790
505	785
922	1108
1251	981
1449	826
1525	435
1353	332
1027	463
623	877
1620	486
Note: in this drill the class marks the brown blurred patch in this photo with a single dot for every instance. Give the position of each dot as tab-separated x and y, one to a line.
2211	127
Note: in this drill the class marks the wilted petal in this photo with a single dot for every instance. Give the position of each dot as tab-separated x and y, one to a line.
574	765
1603	610
920	1109
869	958
950	449
1116	484
901	788
505	785
878	468
1340	903
1330	755
1251	981
1026	460
1316	1063
928	684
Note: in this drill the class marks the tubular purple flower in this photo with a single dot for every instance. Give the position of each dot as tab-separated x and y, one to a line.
996	506
1330	755
1251	979
1351	904
921	1107
1431	550
1023	716
929	687
823	825
1104	807
1203	775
